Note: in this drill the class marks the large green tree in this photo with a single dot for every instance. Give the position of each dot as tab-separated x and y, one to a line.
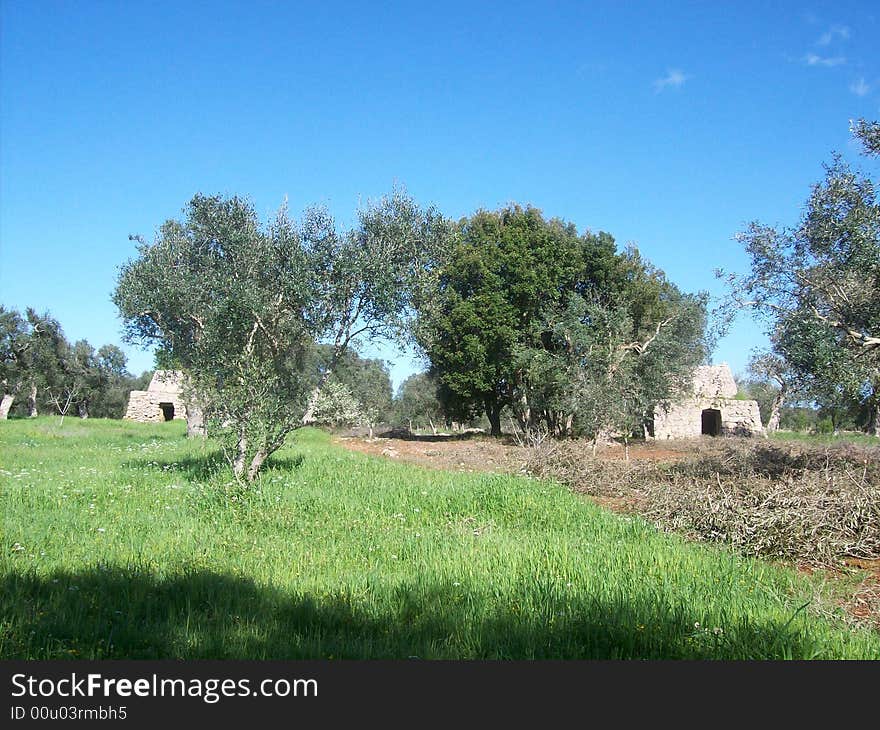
502	270
493	335
817	286
240	306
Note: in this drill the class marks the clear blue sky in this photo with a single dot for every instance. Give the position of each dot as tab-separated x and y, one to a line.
669	125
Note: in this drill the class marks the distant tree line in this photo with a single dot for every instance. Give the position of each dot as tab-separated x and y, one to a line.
42	372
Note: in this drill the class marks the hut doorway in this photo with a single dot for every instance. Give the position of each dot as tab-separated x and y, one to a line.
711	422
167	411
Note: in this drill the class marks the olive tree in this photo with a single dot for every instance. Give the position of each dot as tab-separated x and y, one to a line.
240	306
33	351
596	373
817	285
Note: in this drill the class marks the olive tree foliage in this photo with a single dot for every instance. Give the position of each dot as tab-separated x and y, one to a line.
15	343
774	384
372	279
816	286
596	374
240	306
368	379
358	393
868	133
33	350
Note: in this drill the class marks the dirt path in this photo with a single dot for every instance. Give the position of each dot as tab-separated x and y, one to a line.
483	453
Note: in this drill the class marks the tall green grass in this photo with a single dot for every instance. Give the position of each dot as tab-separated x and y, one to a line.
127	540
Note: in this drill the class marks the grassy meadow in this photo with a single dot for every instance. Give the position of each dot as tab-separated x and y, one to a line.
125	540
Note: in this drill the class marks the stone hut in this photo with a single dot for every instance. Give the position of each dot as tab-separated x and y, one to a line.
712	409
161	401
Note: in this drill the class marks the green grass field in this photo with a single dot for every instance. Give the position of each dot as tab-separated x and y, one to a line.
124	540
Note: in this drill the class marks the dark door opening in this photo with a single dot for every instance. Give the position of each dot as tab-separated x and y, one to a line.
711	422
167	411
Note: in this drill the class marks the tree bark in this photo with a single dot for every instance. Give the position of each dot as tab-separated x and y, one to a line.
775	409
256	463
493	413
195	421
238	465
32	401
5	405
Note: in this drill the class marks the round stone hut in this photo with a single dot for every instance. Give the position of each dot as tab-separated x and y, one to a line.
711	409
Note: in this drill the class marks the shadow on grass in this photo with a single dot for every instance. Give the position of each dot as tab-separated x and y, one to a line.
205	467
120	613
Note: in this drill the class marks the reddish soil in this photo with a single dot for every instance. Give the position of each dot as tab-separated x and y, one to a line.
476	452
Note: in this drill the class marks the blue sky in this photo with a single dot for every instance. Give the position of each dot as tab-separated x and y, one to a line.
670	125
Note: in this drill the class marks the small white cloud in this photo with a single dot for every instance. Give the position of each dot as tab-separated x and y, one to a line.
836	31
674	78
860	87
812	59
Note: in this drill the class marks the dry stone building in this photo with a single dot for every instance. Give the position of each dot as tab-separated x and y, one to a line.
161	401
711	409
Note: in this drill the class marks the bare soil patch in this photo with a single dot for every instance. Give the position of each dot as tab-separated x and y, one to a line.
477	452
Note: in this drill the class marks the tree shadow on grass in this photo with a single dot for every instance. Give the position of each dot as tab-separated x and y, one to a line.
205	467
199	614
198	468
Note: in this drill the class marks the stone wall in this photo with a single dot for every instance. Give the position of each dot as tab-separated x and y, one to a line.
145	405
714	381
685	419
713	388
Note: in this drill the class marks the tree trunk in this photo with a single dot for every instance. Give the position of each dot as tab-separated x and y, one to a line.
195	421
775	409
493	413
238	465
874	422
32	401
5	405
524	413
433	427
256	463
